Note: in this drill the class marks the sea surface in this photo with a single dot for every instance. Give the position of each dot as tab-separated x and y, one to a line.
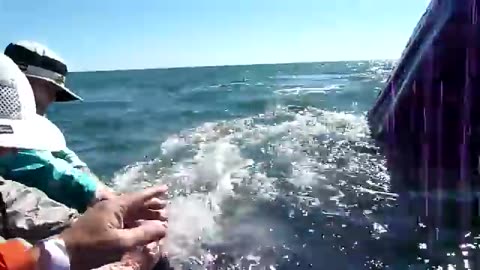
269	166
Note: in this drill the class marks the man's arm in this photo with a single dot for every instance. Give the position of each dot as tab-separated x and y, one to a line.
78	248
56	177
72	158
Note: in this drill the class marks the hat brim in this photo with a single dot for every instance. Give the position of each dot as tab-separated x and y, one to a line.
63	93
35	132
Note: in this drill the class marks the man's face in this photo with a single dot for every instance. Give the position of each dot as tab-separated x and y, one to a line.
44	94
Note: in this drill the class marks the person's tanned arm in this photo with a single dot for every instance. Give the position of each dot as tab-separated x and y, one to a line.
97	238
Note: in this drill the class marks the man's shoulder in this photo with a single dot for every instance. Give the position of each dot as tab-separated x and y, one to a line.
30	153
71	157
65	158
63	154
39	157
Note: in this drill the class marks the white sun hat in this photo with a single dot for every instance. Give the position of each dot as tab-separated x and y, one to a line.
38	61
20	125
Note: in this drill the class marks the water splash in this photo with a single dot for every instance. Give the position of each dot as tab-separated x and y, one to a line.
236	184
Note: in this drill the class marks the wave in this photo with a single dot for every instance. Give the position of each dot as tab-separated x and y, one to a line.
224	175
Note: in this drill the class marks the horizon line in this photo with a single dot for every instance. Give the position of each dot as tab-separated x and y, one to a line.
228	65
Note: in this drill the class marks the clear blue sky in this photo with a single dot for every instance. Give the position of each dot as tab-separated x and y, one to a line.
124	34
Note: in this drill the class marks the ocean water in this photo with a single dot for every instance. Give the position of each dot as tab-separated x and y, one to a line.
269	166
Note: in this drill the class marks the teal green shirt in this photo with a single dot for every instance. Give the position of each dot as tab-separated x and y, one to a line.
55	176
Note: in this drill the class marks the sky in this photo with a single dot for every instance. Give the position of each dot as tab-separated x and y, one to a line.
137	34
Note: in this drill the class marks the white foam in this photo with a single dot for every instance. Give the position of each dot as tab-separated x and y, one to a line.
308	90
128	177
193	221
215	164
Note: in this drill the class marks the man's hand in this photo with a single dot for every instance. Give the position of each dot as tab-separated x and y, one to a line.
99	236
154	208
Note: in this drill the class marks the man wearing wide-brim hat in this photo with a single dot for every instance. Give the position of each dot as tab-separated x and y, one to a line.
44	69
47	72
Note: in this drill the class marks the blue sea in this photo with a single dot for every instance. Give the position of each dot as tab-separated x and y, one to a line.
269	166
